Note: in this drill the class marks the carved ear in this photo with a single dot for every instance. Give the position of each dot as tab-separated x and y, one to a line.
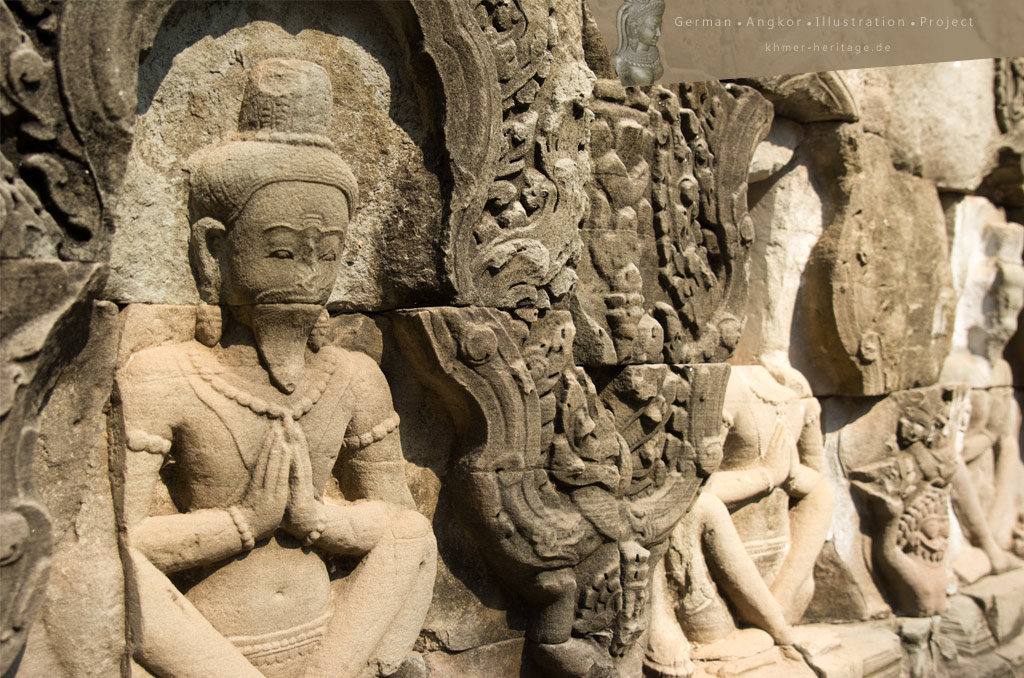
205	248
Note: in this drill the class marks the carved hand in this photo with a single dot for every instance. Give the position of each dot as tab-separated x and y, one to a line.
781	457
263	504
304	514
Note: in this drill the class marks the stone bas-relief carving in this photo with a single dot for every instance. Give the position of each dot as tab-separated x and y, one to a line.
869	337
278	453
989	277
569	486
637	60
901	459
556	264
1009	88
666	235
750	542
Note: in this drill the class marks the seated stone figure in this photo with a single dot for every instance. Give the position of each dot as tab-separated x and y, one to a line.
291	546
749	543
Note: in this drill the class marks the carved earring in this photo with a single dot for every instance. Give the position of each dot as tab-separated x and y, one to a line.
321	334
209	324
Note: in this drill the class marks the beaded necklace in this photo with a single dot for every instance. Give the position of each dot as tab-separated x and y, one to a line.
258	405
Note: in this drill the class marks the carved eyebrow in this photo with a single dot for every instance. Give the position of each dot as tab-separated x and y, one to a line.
303	227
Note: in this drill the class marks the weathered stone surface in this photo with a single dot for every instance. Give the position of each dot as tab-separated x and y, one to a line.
46	311
964	623
899	458
506	200
776	662
789	216
1013	653
927	652
1009	90
189	88
989	280
852	650
262	382
86	581
864	335
500	659
1002	599
402	259
775	152
42	158
469	608
667	234
909	106
809	97
751	539
568	486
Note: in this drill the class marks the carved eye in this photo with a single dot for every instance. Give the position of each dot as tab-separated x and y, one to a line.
281	254
330	256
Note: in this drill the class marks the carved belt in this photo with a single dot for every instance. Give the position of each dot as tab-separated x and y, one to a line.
283	646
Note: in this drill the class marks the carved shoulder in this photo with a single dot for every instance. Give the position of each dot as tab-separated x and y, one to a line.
153	391
368	393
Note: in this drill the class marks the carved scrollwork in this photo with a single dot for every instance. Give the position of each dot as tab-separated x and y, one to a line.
25	547
569	485
667	234
525	240
45	172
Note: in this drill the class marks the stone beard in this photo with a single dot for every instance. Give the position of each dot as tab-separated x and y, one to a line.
279	454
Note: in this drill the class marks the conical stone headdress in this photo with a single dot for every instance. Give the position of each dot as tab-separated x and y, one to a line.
282	136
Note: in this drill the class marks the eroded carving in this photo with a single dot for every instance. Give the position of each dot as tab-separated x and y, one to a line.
808	97
870	337
526	238
613	325
667	233
249	449
986	490
746	551
901	462
48	165
569	485
1009	88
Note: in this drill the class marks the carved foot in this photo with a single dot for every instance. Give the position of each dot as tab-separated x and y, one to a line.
664	666
575	658
1004	561
737	645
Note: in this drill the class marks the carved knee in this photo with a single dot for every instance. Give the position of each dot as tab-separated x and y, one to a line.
409	525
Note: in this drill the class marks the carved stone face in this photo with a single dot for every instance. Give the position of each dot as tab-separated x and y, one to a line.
649	30
285	246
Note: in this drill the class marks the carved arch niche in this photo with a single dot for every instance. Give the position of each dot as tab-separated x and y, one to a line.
468	146
387	111
454	85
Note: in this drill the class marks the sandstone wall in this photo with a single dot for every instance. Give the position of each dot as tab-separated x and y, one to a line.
687	379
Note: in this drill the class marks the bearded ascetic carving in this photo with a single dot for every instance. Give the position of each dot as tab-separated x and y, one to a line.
279	454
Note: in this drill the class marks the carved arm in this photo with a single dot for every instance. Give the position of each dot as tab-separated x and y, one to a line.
178	541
